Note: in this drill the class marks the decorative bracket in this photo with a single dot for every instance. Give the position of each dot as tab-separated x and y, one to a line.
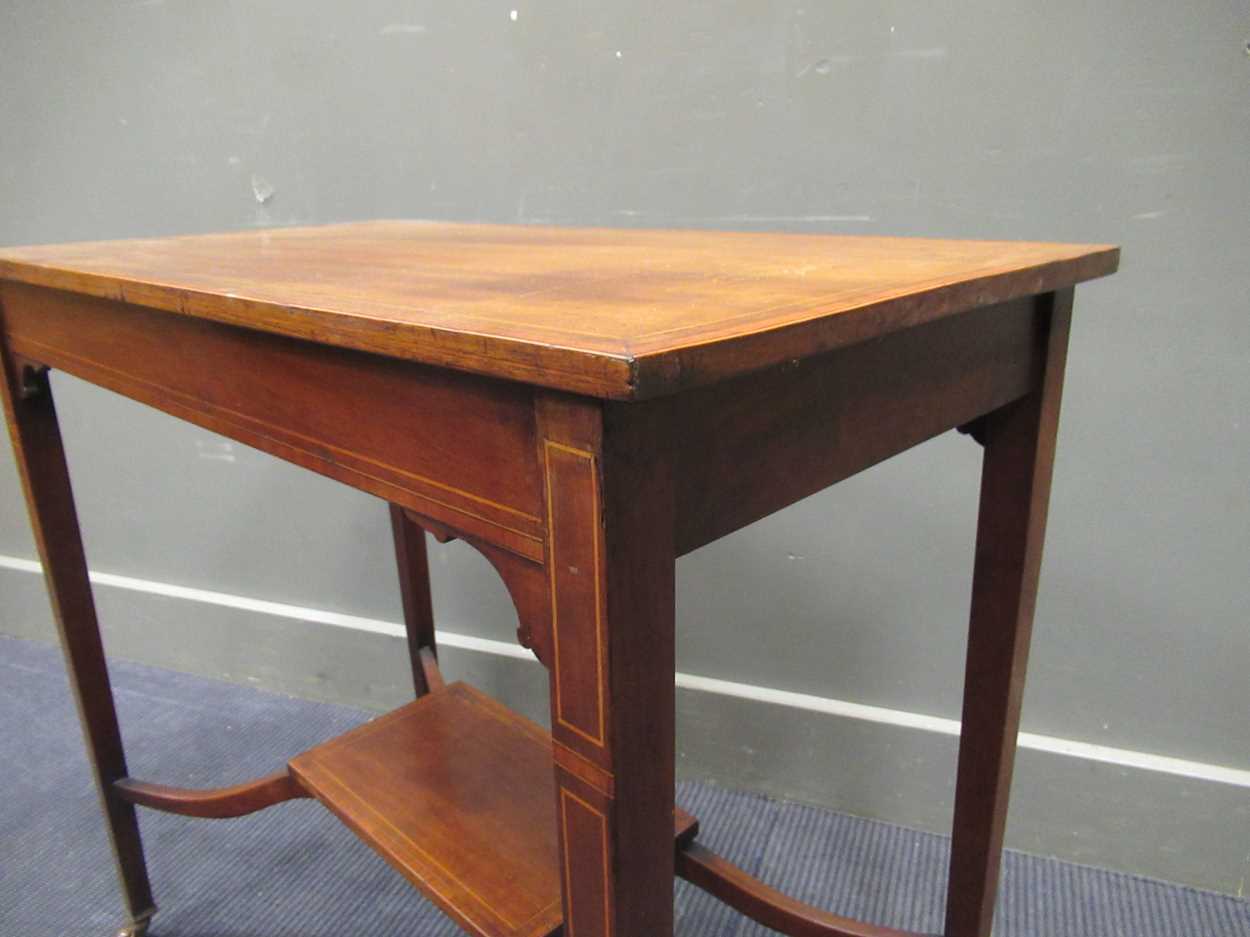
525	580
975	428
440	532
32	378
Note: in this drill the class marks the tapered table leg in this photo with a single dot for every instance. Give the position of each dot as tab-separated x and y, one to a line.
1015	488
414	589
611	560
32	423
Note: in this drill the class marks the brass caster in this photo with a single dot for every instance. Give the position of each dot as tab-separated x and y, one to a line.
135	929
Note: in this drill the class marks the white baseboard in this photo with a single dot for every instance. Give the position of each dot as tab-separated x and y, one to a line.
1126	758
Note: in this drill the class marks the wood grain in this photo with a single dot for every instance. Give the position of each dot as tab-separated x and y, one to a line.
776	364
610	504
456	792
455	447
216	804
760	902
753	445
30	413
575	548
612	313
1011	526
413	566
525	578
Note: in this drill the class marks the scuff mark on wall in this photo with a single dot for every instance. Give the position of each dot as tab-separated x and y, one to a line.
707	219
825	66
262	189
1160	162
403	29
215	450
803	218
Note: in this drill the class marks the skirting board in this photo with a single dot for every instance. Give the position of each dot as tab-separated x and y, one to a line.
1139	812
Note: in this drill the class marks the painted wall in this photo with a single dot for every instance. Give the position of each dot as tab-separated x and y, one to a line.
1121	122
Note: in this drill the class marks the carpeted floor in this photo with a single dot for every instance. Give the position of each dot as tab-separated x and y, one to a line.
294	871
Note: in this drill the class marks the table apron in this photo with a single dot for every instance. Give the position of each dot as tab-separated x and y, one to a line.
753	445
463	449
455	447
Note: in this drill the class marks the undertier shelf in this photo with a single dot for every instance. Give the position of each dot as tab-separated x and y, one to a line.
457	793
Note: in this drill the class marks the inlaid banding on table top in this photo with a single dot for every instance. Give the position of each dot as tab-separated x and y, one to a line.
615	313
344	349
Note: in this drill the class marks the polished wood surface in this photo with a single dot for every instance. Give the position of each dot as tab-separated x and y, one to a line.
465	456
610	522
772	366
755	444
413	566
30	414
1015	492
606	312
456	792
765	904
217	804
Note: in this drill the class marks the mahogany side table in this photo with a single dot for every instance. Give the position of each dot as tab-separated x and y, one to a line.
583	406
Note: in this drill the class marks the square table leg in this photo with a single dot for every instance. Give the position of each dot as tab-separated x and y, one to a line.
414	590
31	417
611	558
1015	487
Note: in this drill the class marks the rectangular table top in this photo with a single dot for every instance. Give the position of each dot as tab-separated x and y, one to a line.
618	313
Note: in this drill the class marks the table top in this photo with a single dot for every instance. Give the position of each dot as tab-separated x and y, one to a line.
618	313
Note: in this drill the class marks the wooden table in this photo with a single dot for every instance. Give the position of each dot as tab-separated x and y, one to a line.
582	406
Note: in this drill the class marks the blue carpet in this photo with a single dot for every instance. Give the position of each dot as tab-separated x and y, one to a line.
294	871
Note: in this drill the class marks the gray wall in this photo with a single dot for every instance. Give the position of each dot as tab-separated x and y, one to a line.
1121	122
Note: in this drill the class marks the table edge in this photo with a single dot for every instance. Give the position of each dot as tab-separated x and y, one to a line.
628	374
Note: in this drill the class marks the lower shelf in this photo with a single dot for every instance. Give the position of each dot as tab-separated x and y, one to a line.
457	793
